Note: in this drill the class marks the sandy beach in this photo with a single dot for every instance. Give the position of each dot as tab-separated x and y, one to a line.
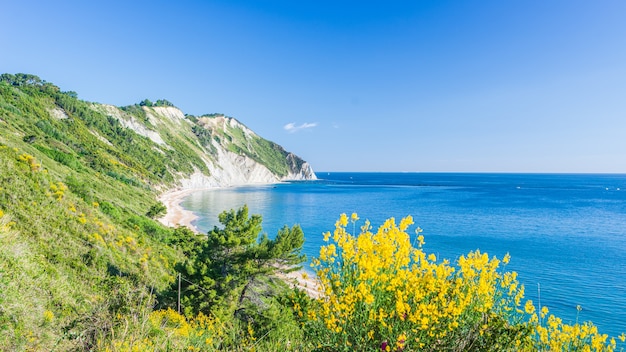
176	215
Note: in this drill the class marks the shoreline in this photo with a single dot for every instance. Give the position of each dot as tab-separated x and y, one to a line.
176	216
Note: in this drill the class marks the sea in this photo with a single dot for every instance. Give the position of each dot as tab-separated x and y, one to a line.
566	233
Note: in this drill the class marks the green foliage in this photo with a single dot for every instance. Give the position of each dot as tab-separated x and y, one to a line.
81	187
185	240
24	79
286	248
203	134
60	251
82	262
145	102
156	210
66	159
71	94
148	227
230	263
163	102
137	110
160	102
110	210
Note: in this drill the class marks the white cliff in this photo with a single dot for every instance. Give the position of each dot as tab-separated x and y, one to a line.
225	167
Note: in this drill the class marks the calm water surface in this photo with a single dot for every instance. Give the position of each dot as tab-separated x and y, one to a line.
566	233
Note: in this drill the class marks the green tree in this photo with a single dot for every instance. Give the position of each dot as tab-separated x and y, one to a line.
156	210
233	258
71	94
145	102
229	249
163	102
284	251
21	79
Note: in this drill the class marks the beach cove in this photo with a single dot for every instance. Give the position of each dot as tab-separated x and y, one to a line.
177	215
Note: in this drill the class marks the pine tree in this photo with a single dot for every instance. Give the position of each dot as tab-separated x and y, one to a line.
235	256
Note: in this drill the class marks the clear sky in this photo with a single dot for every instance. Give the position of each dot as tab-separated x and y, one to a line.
490	85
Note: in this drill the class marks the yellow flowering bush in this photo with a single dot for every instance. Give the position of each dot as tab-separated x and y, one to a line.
168	330
48	316
555	335
59	189
378	291
30	161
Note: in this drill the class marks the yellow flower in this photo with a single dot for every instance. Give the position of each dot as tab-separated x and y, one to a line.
405	223
379	284
401	341
343	220
48	316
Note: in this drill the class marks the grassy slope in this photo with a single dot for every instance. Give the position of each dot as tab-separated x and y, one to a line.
64	262
78	259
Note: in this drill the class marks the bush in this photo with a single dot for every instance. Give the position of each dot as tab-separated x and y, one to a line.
110	210
156	210
379	292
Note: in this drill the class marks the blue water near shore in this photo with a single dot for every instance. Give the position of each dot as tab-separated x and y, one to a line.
566	233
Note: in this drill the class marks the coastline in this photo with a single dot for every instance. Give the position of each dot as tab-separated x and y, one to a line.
176	216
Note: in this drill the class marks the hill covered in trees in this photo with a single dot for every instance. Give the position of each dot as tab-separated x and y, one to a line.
81	259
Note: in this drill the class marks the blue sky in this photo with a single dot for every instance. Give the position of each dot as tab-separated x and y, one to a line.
486	86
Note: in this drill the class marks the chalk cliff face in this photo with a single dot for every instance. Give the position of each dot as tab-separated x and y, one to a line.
232	153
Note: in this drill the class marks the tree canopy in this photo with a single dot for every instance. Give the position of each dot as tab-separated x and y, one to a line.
221	268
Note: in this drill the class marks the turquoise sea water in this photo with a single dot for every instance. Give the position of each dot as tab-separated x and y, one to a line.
566	233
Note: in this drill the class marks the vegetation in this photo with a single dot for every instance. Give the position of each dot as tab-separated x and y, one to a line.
380	292
82	260
84	265
70	274
240	140
263	151
160	102
232	260
79	275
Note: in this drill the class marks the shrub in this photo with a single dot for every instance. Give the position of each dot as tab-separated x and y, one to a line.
156	210
380	292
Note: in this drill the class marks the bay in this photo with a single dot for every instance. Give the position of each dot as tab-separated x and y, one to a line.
566	233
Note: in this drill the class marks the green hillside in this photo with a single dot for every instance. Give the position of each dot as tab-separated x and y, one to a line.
82	263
